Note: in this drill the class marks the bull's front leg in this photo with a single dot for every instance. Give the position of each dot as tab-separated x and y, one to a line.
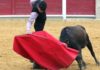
80	62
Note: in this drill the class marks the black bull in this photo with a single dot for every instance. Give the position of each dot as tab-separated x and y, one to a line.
76	37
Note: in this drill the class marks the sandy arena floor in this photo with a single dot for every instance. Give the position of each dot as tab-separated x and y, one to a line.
9	60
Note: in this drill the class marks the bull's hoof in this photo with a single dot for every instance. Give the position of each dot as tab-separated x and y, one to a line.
98	63
83	68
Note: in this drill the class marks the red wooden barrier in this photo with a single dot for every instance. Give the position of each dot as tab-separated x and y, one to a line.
54	7
81	7
5	7
22	7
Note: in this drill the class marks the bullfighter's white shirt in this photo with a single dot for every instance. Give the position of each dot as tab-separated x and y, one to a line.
32	18
32	1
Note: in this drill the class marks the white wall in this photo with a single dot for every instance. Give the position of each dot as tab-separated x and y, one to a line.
98	9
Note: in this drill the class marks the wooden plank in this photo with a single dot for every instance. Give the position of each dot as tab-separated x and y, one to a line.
81	7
